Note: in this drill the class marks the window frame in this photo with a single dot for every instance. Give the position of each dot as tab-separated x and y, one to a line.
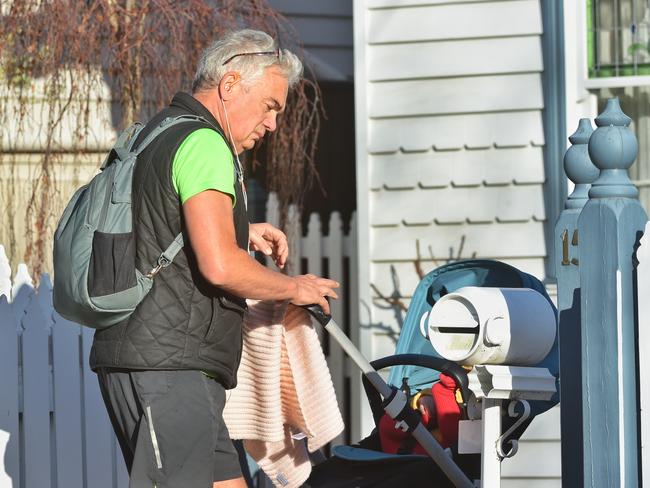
588	43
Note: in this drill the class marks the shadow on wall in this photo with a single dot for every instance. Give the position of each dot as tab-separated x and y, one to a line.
396	301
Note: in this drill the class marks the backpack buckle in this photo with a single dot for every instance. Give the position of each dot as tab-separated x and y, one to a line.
162	262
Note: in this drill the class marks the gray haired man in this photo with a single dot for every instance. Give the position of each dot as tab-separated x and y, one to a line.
164	371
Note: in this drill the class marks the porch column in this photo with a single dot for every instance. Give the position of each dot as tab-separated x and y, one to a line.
609	229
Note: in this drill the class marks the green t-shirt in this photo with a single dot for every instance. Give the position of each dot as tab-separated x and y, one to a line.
203	162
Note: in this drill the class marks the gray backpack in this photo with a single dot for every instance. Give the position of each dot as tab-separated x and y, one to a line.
96	282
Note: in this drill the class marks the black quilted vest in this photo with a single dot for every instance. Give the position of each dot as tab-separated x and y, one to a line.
184	322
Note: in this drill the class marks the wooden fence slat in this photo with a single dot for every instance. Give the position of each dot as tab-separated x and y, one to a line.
273	210
21	292
68	418
5	274
98	430
44	296
36	396
311	249
349	241
21	279
9	434
294	232
312	246
333	247
43	299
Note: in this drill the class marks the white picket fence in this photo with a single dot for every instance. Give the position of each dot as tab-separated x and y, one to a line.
54	430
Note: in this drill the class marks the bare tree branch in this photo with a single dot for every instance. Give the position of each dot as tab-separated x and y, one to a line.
145	51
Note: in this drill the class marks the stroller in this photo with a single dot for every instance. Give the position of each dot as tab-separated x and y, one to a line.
415	366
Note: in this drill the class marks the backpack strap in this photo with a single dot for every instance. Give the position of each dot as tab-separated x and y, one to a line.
168	255
167	123
123	144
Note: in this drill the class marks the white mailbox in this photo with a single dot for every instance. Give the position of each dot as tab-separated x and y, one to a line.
478	325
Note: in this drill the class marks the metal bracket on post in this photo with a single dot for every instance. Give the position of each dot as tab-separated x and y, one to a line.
514	444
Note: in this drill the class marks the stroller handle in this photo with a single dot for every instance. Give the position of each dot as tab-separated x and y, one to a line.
318	313
450	368
350	349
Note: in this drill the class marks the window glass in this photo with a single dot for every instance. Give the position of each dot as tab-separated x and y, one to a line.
618	37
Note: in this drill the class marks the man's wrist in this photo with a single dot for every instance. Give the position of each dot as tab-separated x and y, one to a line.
293	288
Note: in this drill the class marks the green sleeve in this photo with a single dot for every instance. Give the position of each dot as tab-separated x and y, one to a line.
203	162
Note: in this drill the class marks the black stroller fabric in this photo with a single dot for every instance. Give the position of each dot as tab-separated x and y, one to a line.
393	472
341	473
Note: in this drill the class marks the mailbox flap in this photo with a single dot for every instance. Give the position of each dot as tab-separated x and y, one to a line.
450	315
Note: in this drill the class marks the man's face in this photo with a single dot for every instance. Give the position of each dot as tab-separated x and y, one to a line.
253	109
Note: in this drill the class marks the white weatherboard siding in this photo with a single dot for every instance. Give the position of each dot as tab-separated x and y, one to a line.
450	158
461	20
456	95
436	169
401	61
462	131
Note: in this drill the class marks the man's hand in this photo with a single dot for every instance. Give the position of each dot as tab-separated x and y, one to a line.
270	241
313	290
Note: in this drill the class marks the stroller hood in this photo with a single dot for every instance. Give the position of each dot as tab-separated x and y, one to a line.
447	279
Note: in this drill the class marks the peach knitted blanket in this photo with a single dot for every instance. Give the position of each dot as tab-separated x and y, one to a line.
284	393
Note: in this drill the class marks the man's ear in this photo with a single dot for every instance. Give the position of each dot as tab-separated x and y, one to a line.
229	85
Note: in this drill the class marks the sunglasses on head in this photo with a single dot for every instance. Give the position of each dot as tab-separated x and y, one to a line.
277	53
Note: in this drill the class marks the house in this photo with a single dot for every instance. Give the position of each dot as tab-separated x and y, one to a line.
463	109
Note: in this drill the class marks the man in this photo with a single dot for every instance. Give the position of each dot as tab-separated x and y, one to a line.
163	372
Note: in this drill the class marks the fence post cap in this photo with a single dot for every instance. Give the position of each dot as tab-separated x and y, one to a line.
582	133
613	115
613	148
578	165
